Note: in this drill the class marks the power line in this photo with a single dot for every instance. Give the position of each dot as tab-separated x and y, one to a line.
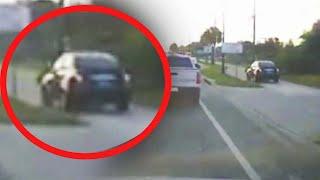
254	22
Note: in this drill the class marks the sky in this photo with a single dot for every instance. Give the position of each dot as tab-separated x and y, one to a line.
186	20
183	21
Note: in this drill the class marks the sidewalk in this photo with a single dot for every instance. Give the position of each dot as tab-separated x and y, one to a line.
237	71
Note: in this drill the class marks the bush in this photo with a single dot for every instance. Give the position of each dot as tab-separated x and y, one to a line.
289	60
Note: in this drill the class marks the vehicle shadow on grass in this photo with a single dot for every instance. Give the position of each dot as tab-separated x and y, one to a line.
93	109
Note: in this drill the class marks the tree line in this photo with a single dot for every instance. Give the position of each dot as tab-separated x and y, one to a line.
299	59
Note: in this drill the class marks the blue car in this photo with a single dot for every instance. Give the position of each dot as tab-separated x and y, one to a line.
263	70
79	78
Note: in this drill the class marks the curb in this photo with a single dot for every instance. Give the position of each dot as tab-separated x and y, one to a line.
206	80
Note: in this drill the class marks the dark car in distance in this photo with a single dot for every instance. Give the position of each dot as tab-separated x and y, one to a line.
263	70
78	78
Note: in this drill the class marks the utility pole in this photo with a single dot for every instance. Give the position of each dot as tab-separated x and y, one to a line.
61	3
61	41
223	39
213	45
254	30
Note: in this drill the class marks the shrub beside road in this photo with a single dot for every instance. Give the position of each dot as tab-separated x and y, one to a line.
312	80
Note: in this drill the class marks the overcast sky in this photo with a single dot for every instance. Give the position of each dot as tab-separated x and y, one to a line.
183	21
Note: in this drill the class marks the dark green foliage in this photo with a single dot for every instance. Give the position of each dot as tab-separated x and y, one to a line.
211	36
89	31
174	48
304	58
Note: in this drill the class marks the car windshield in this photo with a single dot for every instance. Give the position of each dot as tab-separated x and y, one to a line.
176	61
266	64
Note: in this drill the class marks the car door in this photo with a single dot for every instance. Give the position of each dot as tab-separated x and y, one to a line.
66	71
255	67
59	66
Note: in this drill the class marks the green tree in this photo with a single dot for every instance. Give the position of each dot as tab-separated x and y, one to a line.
193	47
174	48
269	49
310	49
290	43
304	58
211	36
289	59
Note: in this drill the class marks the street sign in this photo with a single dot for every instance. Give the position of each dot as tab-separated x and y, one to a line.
232	48
13	18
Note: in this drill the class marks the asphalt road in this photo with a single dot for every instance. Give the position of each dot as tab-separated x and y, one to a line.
227	137
292	107
274	152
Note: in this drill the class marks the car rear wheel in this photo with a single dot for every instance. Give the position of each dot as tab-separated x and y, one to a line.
64	102
69	99
123	104
67	102
257	77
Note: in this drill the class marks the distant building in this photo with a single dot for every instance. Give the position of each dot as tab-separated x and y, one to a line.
204	51
42	41
13	18
38	7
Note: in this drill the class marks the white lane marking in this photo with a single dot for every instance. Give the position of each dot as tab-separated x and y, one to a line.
242	160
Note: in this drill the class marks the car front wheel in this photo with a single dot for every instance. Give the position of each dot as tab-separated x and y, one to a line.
248	77
45	99
257	77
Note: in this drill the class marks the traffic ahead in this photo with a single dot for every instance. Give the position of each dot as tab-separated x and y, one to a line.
186	77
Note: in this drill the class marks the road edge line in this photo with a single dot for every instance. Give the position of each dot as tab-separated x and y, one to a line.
236	152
